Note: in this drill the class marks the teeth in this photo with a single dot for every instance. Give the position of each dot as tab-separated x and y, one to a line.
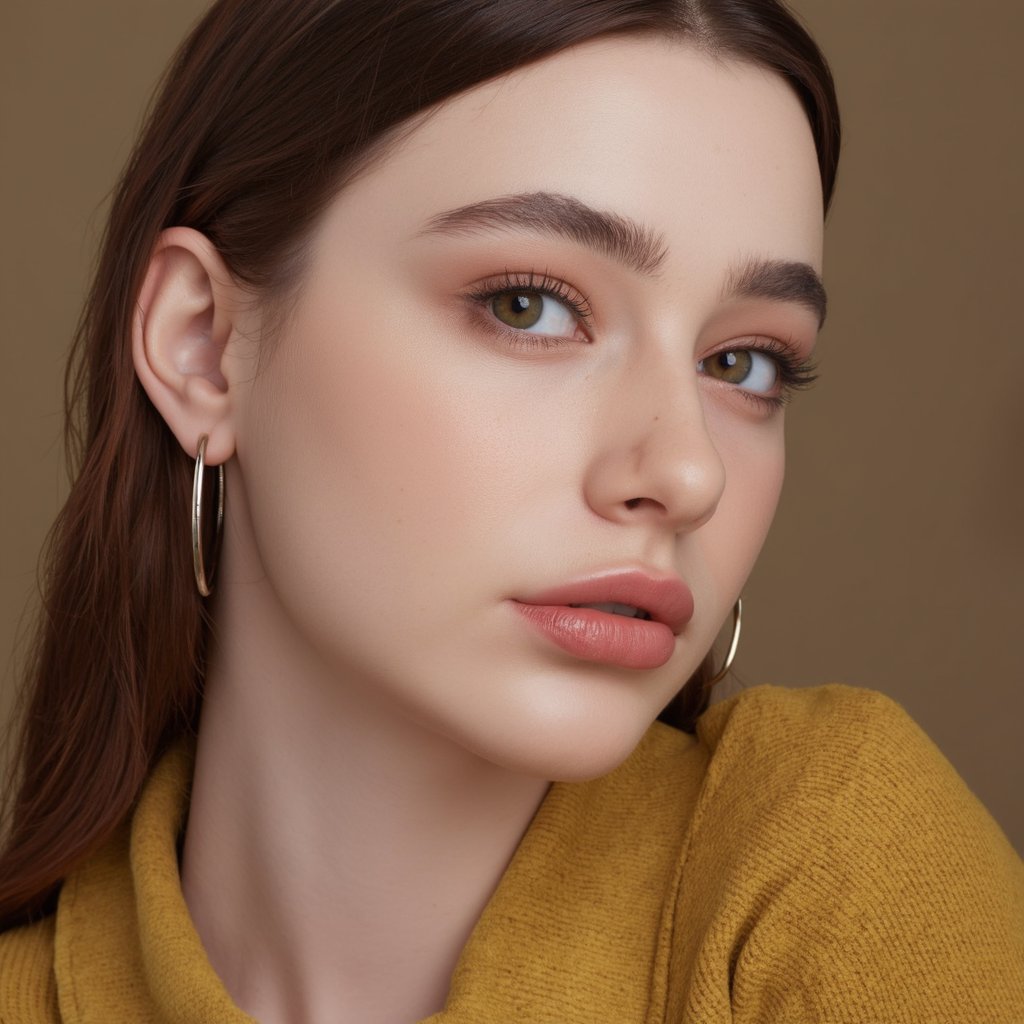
616	609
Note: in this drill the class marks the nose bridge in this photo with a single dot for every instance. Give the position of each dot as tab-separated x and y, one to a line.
657	457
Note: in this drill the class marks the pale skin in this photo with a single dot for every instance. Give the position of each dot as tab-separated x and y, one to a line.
380	726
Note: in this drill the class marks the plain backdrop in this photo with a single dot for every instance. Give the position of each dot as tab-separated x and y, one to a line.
896	559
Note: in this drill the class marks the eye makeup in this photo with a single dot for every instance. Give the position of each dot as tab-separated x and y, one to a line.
527	295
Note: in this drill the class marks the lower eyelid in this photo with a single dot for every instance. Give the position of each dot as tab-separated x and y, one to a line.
523	339
793	373
786	357
479	304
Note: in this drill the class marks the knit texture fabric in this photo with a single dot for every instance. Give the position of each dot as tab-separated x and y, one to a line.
809	856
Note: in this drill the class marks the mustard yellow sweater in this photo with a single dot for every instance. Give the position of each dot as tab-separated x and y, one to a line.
808	857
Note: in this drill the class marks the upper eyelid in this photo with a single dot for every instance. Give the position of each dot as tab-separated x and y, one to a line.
545	283
530	280
770	344
785	354
542	283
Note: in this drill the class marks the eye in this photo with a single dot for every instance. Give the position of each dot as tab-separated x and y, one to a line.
767	374
745	367
532	310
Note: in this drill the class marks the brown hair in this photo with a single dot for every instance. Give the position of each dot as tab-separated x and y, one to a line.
268	109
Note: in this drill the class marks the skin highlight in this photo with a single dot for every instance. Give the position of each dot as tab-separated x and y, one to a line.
379	726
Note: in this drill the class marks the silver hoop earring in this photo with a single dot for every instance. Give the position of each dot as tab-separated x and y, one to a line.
737	622
204	578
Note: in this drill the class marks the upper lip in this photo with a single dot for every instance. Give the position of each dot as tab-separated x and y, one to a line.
666	598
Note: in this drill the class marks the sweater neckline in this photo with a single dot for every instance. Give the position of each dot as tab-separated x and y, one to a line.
561	913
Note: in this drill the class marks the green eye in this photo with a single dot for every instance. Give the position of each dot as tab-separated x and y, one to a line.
732	367
525	306
768	372
520	309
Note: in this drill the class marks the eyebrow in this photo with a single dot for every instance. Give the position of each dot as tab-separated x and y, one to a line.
551	213
627	241
781	281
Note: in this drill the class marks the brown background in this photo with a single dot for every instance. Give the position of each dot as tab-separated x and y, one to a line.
896	559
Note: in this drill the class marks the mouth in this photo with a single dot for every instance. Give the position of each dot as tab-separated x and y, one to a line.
613	608
625	617
635	593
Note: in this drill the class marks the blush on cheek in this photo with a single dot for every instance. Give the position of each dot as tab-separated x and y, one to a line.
745	514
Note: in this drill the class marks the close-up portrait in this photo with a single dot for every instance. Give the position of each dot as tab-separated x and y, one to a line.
513	512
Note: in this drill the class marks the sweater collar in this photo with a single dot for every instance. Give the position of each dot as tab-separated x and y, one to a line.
578	927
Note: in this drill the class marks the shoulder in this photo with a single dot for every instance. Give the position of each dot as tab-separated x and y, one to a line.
833	743
840	854
846	768
843	716
28	988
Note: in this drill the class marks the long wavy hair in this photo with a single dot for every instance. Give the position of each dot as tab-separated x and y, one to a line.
266	111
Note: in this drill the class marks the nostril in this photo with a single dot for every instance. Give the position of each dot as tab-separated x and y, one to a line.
633	503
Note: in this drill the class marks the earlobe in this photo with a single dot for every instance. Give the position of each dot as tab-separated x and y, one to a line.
182	325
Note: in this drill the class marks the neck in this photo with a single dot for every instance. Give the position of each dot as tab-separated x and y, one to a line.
337	855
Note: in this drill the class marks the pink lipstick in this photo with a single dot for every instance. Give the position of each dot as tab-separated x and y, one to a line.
639	617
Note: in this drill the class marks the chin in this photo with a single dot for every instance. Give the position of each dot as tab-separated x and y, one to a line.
564	743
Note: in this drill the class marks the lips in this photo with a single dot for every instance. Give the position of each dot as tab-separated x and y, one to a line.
565	616
666	599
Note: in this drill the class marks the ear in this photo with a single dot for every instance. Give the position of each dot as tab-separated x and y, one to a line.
183	322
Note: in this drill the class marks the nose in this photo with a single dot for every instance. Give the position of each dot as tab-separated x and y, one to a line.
655	460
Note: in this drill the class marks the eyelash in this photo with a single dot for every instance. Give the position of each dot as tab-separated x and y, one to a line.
542	284
795	374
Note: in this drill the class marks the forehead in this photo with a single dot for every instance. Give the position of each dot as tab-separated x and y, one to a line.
715	155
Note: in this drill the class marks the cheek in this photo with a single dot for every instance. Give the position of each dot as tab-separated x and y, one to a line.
755	467
373	461
343	449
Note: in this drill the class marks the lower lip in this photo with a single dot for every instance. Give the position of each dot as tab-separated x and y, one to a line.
594	635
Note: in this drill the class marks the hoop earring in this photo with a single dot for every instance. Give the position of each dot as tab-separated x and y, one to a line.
737	622
204	579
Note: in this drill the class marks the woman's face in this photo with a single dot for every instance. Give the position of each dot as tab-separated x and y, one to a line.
471	408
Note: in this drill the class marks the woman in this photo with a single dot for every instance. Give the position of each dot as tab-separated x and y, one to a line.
489	313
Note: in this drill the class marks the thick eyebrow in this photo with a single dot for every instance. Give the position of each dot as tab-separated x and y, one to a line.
782	280
552	213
